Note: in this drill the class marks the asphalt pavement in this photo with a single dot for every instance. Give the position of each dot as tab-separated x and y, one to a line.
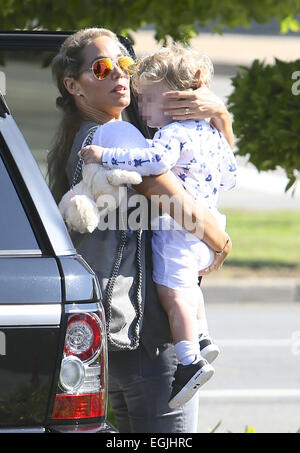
257	375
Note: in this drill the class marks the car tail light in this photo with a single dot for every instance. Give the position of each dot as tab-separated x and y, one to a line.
83	337
82	381
87	405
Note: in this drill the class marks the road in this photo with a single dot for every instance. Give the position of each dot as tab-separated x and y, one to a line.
257	375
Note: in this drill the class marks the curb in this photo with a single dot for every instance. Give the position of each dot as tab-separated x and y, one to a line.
251	290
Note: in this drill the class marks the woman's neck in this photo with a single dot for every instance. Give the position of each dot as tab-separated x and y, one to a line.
90	114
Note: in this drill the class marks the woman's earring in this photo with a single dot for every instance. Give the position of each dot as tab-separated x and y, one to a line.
78	94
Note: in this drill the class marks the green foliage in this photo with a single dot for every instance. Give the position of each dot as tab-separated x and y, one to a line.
175	18
266	111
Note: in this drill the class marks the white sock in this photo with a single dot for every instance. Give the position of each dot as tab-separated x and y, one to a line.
187	352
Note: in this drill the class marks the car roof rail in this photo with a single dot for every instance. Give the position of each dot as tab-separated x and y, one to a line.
27	39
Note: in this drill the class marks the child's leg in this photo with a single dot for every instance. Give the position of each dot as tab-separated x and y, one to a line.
208	349
201	314
181	308
193	371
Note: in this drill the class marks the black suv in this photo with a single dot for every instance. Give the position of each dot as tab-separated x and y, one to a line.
53	360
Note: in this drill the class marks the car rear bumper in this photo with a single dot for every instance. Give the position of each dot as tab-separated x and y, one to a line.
105	428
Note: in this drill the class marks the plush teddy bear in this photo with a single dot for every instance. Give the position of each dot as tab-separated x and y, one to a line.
82	206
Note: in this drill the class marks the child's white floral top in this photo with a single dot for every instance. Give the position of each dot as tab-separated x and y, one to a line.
195	151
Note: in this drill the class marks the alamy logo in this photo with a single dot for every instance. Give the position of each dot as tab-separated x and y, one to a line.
177	213
296	85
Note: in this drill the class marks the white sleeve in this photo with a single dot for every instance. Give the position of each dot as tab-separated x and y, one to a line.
155	159
119	133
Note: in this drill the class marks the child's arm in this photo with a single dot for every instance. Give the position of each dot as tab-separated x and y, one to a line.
161	156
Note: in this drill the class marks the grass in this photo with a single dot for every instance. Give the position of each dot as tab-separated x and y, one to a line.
264	244
248	429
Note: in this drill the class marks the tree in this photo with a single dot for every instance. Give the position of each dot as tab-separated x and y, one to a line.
266	114
176	18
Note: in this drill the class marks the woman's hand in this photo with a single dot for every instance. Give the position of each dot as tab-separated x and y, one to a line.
197	105
92	154
219	258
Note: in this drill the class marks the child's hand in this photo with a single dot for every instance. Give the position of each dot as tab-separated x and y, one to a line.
92	154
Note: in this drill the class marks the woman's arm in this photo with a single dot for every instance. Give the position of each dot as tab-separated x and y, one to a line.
223	122
194	217
201	103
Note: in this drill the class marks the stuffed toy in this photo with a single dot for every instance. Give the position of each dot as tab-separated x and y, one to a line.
82	206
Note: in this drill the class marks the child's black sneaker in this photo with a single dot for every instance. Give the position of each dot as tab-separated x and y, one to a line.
187	380
209	350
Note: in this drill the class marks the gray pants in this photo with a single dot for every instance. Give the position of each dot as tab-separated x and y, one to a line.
139	390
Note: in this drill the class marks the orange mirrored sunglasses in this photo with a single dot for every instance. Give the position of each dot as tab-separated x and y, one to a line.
102	67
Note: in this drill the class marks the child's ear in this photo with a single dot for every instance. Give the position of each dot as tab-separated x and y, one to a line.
197	78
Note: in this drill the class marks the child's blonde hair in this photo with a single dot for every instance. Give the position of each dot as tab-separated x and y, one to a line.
177	66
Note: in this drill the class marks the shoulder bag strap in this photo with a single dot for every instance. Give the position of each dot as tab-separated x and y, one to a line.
79	165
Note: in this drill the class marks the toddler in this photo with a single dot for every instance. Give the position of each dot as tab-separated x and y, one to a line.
200	156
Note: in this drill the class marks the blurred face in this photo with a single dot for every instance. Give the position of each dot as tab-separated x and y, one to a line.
150	103
109	96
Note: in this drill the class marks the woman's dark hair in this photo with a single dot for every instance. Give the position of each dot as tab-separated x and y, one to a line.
68	63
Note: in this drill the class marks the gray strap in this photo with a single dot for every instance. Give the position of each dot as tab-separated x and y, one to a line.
79	165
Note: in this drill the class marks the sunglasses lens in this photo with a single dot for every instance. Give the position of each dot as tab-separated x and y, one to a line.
102	68
127	65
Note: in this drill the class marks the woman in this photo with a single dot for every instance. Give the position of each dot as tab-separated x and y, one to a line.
139	380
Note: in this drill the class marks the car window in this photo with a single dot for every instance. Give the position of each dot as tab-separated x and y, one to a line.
31	96
16	234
